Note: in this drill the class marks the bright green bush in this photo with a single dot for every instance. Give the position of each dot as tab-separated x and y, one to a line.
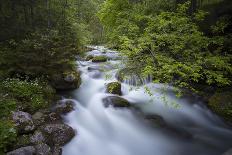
7	135
169	43
6	106
30	95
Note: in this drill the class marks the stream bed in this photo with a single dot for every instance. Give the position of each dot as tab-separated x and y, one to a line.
189	129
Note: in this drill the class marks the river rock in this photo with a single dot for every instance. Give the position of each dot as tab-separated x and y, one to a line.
23	122
64	106
38	118
101	68
53	117
66	81
174	131
37	138
57	150
29	150
115	101
156	119
58	133
114	88
94	68
99	59
43	149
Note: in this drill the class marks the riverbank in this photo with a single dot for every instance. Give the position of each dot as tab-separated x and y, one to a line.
31	114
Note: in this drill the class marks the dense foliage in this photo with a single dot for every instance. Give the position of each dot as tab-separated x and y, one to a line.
183	43
167	42
43	37
39	40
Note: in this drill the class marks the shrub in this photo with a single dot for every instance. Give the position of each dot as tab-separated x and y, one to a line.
30	95
6	106
7	135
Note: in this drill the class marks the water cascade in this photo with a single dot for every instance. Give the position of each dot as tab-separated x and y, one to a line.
154	125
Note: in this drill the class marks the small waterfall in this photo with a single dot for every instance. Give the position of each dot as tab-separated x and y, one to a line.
136	80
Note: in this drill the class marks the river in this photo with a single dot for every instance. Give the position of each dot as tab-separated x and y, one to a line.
189	129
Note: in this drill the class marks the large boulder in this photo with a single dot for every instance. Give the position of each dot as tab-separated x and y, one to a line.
39	118
43	149
29	150
66	81
23	122
57	150
99	59
156	119
40	149
53	117
115	101
159	122
37	138
57	133
114	88
64	106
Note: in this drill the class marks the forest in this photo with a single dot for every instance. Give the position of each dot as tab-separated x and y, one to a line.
57	56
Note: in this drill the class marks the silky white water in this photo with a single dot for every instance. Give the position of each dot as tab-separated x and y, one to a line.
191	128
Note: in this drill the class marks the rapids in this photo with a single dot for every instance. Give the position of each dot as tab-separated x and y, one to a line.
190	128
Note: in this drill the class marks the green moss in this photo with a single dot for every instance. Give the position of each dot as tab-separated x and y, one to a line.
7	135
114	88
99	59
221	103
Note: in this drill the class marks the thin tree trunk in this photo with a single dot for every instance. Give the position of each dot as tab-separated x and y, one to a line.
48	14
32	13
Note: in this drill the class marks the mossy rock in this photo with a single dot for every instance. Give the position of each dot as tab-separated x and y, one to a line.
89	57
66	81
114	88
116	102
221	103
99	59
23	122
57	133
64	107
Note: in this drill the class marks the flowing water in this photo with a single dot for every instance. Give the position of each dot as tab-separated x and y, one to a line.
189	129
